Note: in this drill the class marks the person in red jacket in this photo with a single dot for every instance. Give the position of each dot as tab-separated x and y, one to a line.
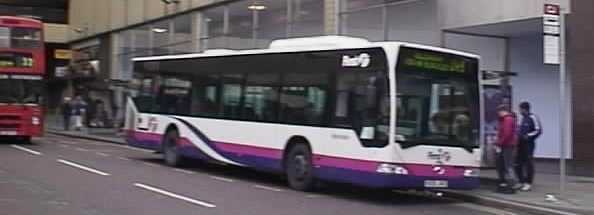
506	146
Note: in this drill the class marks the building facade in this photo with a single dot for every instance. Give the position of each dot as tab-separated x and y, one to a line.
581	53
506	33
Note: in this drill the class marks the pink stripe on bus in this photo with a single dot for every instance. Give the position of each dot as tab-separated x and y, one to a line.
345	163
249	150
147	136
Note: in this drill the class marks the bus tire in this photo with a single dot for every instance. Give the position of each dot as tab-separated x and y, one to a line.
299	168
170	153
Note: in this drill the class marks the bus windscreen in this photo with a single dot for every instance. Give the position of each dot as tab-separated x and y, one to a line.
21	89
437	99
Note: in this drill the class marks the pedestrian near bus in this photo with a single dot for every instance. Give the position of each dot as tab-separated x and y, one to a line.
66	112
79	109
505	148
530	130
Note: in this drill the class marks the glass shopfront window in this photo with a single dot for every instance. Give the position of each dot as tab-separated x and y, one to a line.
366	23
142	38
404	24
213	28
161	32
272	22
307	18
236	25
380	20
125	42
182	28
241	24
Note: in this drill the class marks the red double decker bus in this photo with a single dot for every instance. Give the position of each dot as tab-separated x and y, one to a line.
22	70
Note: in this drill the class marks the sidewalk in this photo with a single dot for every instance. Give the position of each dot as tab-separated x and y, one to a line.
54	125
577	199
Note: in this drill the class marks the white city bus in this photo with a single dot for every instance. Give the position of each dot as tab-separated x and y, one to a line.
386	114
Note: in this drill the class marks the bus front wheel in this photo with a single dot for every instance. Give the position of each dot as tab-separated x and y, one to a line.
299	168
170	153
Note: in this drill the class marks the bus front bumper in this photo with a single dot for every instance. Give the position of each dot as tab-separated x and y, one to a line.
394	181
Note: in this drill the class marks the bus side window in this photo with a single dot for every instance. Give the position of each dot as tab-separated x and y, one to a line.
142	93
261	97
303	98
232	90
204	96
174	96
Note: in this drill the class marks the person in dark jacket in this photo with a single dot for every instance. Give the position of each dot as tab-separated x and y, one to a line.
79	109
66	112
530	129
505	147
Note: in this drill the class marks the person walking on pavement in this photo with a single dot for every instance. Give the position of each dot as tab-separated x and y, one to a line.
530	130
66	112
505	147
78	111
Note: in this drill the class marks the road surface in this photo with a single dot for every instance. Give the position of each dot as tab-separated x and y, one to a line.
67	176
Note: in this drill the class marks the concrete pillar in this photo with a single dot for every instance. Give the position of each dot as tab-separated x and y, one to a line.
331	11
196	31
114	62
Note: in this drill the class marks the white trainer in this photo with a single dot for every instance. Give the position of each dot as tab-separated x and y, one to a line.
526	187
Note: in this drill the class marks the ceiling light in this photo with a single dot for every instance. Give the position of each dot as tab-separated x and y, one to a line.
257	7
159	30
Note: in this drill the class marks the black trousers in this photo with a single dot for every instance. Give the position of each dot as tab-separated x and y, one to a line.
66	121
505	166
524	161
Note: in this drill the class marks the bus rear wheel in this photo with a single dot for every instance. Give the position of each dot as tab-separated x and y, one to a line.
299	168
170	152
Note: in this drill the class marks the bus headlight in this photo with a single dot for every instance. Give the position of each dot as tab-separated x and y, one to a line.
35	120
391	169
471	173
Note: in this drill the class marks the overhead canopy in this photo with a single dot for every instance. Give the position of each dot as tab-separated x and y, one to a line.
505	29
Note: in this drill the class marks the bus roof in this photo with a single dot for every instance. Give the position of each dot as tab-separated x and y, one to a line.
304	44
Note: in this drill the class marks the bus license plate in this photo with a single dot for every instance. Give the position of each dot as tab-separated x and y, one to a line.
436	184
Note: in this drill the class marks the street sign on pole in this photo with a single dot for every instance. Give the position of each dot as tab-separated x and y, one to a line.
551	27
554	53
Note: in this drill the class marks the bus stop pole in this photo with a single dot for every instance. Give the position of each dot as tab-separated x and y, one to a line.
563	107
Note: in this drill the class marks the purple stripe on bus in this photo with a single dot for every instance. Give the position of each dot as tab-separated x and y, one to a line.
147	136
361	165
185	142
250	150
146	144
192	152
257	162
